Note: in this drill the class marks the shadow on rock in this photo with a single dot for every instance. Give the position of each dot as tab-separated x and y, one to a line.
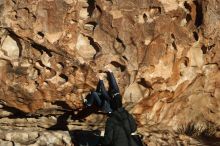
78	137
76	115
61	122
85	138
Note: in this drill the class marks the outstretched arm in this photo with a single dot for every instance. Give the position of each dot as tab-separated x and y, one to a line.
100	86
102	91
112	82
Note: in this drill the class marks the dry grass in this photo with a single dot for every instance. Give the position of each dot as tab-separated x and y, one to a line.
198	129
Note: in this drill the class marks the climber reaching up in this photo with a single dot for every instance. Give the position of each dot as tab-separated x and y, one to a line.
101	97
120	124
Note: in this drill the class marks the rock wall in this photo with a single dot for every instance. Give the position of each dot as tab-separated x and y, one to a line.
164	53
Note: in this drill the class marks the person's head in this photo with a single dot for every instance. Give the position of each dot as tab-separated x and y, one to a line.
116	102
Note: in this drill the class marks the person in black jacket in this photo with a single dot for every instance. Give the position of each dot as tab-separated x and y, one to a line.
101	97
119	126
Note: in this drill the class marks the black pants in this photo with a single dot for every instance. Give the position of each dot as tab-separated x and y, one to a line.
101	97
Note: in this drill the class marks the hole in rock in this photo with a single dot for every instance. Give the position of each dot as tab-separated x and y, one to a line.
157	10
188	17
145	17
74	68
204	49
64	77
16	16
174	45
118	65
93	23
145	83
172	35
187	6
40	63
40	34
99	9
196	36
199	13
211	111
125	58
91	7
121	42
41	49
210	47
14	1
36	83
61	64
95	45
25	8
186	62
34	17
52	72
84	67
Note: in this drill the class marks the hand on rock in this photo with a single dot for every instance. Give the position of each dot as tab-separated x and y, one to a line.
108	68
101	76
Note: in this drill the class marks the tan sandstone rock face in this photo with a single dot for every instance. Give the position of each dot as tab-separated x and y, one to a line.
164	53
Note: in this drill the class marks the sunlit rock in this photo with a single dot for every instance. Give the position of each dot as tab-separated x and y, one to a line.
10	46
69	1
83	14
169	5
53	37
196	56
45	58
164	54
84	48
133	93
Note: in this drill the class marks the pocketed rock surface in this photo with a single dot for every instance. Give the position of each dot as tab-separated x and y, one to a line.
164	53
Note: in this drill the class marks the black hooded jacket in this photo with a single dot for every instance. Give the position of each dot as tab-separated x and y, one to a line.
116	127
